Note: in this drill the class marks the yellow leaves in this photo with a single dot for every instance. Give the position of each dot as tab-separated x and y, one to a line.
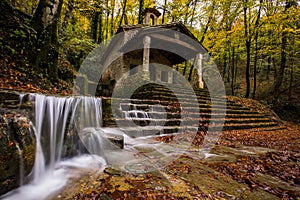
89	191
119	183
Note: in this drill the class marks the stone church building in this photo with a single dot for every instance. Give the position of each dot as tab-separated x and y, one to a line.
143	46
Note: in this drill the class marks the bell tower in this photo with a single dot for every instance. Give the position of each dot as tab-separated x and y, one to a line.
150	16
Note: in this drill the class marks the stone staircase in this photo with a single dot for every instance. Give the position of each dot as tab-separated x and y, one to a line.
155	110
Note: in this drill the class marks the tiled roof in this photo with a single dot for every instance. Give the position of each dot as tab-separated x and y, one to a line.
129	27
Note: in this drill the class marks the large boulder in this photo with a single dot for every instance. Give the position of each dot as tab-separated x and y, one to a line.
17	149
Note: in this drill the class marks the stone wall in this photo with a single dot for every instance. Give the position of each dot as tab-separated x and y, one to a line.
120	68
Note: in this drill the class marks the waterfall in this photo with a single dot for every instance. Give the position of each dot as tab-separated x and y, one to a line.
52	116
136	114
57	123
21	167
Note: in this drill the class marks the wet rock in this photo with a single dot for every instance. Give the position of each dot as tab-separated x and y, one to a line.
17	149
113	171
113	135
116	139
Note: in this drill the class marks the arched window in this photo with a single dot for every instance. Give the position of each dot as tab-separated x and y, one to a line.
152	20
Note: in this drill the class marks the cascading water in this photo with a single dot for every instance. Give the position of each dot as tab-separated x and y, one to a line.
68	128
21	170
58	122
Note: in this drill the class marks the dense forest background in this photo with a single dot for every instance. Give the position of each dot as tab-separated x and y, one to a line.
255	44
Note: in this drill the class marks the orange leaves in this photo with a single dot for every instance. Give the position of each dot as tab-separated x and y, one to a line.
10	143
26	125
179	167
285	139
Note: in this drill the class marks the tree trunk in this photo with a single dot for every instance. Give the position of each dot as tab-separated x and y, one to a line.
164	11
70	8
125	19
229	67
191	70
193	13
256	51
232	71
255	69
248	49
236	67
224	66
112	18
291	81
123	12
185	68
248	85
208	21
100	33
141	7
280	74
269	68
283	55
107	20
45	21
95	23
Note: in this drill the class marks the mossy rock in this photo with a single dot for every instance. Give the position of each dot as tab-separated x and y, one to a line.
17	149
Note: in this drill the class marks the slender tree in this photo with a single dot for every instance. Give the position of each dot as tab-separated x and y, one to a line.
141	7
112	22
247	45
123	12
256	48
100	33
210	18
283	54
164	11
232	70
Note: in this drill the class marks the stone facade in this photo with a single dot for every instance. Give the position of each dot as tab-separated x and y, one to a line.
143	55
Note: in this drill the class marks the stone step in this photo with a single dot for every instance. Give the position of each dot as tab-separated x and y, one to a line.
214	110
176	98
244	126
171	122
167	102
184	102
144	106
206	110
263	126
274	128
189	121
179	89
202	116
140	131
178	95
